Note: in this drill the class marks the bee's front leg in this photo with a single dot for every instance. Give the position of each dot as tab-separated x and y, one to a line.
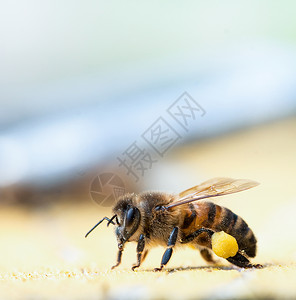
140	249
119	256
169	251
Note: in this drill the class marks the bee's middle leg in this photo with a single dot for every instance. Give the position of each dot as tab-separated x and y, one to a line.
168	252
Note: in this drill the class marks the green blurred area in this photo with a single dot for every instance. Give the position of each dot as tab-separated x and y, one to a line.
60	39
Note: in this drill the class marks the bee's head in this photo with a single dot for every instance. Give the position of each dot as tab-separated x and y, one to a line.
128	218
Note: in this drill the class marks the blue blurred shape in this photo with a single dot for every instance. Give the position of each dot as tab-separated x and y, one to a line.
77	124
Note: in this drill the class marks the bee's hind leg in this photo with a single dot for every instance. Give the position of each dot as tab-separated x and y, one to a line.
207	255
241	261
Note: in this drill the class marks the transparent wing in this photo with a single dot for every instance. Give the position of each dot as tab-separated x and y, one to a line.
213	188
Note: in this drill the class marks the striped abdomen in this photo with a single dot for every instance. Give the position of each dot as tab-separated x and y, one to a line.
218	218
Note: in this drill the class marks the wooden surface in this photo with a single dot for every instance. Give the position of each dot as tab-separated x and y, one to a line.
44	254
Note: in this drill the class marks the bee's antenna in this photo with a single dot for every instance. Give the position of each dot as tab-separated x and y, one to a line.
105	218
111	220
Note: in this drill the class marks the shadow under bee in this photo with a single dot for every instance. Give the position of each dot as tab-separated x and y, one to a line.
205	268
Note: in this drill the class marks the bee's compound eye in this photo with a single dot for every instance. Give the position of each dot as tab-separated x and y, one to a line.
130	216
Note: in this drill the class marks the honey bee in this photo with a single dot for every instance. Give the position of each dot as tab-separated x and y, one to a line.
153	218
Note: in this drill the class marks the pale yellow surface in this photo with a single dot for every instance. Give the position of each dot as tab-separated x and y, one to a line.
224	245
44	255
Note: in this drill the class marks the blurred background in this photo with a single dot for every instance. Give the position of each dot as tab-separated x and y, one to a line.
141	96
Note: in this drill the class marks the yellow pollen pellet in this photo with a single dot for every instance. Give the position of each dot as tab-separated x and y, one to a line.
224	245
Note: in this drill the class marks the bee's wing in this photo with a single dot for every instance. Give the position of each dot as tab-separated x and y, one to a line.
213	188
